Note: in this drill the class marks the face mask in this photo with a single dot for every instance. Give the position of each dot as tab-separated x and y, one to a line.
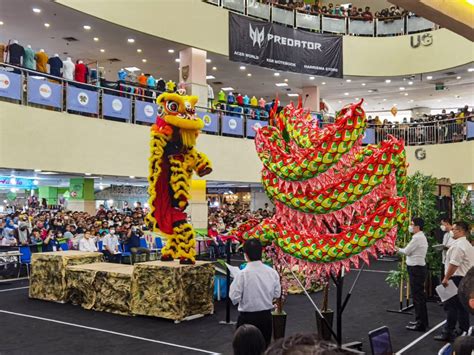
451	234
112	232
410	229
443	228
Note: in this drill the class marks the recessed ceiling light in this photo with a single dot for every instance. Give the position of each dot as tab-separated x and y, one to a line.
394	104
388	81
323	83
429	77
346	93
208	60
37	170
370	90
293	95
242	67
87	174
228	89
384	100
131	40
46	25
102	50
132	69
311	78
276	74
363	84
340	101
144	60
281	84
132	177
214	68
208	77
406	94
170	50
249	74
286	80
348	80
177	60
458	77
139	50
470	70
412	101
1	23
35	182
410	83
36	10
96	39
402	88
87	27
356	99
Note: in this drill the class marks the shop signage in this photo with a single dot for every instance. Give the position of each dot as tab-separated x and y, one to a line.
211	122
420	154
20	183
369	136
116	106
44	92
146	111
233	125
10	85
283	48
252	125
425	40
82	100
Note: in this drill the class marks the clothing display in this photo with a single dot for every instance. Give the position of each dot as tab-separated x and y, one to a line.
151	82
122	75
41	61
2	52
29	59
161	85
262	102
210	92
221	96
246	100
239	99
253	101
231	98
15	53
142	79
68	69
55	66
80	72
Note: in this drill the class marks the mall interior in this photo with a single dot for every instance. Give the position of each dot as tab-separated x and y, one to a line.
153	151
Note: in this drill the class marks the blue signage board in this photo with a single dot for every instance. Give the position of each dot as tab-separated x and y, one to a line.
116	106
211	122
82	100
44	92
145	111
8	182
233	125
369	136
10	85
470	129
252	125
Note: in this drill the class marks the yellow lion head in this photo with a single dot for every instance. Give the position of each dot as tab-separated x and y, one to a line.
178	110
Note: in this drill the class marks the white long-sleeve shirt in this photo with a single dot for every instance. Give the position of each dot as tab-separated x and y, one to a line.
448	240
416	250
255	287
87	244
460	254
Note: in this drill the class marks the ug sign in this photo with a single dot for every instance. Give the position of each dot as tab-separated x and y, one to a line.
425	40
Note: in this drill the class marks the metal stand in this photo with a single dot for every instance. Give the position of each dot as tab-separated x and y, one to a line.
227	304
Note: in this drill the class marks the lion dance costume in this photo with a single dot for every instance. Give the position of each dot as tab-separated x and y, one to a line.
336	201
173	160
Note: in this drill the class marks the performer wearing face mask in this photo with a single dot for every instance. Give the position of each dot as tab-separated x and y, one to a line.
415	252
448	239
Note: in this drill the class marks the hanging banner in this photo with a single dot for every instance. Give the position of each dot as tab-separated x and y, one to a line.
283	48
19	183
10	85
233	125
82	100
369	136
44	92
211	121
252	125
116	106
145	111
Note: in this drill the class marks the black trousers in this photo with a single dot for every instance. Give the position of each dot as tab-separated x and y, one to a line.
455	312
417	276
262	320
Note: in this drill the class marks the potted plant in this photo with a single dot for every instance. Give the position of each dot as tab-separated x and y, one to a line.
328	314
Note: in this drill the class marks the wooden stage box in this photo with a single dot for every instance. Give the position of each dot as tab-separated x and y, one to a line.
48	272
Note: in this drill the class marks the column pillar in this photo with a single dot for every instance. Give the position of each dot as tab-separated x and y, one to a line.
192	72
197	208
311	98
49	193
81	195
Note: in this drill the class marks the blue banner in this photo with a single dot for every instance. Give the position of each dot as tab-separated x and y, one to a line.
10	85
82	100
254	124
145	111
470	129
9	182
116	106
211	121
233	125
43	92
369	136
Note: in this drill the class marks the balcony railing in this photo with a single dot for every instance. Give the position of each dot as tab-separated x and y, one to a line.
327	23
30	88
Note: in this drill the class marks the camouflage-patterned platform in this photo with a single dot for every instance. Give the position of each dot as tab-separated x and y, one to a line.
48	272
173	291
101	286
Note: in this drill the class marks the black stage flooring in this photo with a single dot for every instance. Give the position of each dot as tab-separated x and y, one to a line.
39	327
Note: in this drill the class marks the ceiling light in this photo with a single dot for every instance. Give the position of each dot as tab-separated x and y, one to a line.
37	170
346	93
388	81
96	39
132	69
429	77
242	67
13	190
281	84
208	60
208	77
311	78
177	60
370	90
406	94
348	80
144	60
394	104
228	89
12	180
36	10
87	174
470	70
293	95
132	177
402	88
214	68
35	182
1	23
356	99
323	83
286	80
102	50
49	173
412	101
139	50
458	77
170	50
101	186
410	83
340	101
131	40
384	100
46	24
363	84
276	74
87	27
249	74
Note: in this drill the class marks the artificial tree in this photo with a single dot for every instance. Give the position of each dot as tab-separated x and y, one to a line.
462	208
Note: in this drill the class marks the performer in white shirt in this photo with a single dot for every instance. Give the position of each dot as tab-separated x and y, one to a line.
459	259
415	252
87	243
448	239
111	246
254	289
